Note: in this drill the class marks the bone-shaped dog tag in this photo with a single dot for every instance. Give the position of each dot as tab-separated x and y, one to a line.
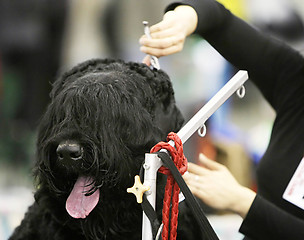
138	189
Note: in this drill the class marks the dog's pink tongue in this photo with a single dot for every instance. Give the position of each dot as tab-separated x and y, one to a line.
78	205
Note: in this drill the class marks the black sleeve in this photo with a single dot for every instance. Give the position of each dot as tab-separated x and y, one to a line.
278	71
272	65
266	221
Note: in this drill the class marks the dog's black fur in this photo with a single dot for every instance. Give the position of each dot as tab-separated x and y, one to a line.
113	112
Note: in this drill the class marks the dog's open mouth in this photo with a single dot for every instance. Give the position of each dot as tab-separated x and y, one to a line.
79	203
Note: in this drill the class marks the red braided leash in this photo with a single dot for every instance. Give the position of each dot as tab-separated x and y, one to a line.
172	188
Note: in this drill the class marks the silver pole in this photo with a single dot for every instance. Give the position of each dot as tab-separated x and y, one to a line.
153	162
199	119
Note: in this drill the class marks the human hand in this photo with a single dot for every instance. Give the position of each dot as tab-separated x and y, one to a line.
147	60
215	186
169	35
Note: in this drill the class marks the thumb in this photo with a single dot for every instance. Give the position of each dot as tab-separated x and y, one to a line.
208	163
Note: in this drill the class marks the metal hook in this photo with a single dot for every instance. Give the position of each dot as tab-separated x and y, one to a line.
200	133
241	92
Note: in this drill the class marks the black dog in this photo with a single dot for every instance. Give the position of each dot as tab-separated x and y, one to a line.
103	117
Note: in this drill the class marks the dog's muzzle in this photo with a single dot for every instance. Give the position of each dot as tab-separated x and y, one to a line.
69	151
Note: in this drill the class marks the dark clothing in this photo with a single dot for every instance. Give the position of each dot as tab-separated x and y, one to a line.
278	71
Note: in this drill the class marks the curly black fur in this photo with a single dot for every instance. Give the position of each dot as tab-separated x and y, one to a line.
116	111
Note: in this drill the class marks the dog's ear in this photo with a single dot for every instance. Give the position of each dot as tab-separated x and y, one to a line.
167	116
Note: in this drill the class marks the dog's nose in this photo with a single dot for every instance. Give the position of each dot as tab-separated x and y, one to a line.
69	151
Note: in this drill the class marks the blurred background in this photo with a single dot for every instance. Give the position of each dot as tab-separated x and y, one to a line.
41	38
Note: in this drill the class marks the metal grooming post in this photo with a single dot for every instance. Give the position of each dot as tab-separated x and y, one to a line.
198	120
153	162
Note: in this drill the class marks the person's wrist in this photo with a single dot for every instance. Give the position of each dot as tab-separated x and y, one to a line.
243	202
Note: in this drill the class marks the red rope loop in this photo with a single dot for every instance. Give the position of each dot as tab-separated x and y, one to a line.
172	188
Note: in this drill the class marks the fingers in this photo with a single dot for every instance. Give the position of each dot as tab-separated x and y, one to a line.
208	163
196	169
162	42
167	22
147	60
168	33
193	181
188	176
164	33
197	192
159	43
161	47
195	184
161	52
164	29
167	37
207	166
